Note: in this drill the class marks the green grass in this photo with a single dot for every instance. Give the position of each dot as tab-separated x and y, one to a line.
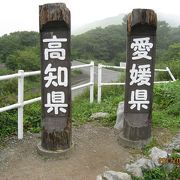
166	114
160	173
166	109
166	106
76	72
82	109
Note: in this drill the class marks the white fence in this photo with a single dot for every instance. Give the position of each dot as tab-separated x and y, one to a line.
100	83
21	103
21	75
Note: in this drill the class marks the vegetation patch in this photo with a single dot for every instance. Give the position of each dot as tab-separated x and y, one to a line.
166	109
82	109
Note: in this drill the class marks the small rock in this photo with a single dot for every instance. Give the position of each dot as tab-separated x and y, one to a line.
99	177
168	167
87	167
113	175
106	168
135	171
146	163
137	167
120	116
99	115
175	143
157	153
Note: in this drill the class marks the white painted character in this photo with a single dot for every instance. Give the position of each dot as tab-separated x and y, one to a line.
139	99
56	102
140	75
55	50
56	76
141	47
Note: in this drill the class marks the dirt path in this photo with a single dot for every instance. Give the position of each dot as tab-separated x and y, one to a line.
96	151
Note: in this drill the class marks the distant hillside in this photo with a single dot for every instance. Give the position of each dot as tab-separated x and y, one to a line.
109	43
115	20
172	20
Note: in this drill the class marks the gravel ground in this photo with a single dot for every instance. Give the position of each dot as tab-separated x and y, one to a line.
96	151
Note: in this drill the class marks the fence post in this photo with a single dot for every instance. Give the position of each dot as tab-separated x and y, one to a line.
92	82
170	73
120	71
99	82
20	101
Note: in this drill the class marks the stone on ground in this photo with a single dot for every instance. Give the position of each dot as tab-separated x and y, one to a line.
120	116
99	115
113	175
139	165
99	177
157	153
175	143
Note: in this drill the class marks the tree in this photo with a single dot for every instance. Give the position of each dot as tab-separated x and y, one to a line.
27	59
17	41
99	43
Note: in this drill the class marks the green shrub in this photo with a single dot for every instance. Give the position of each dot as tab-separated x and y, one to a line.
174	66
8	123
166	106
32	118
160	173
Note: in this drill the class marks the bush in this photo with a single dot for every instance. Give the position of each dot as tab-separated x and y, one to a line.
166	106
32	118
8	123
167	95
8	92
27	59
174	66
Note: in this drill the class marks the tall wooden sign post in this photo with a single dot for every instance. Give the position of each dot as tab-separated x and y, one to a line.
141	43
55	26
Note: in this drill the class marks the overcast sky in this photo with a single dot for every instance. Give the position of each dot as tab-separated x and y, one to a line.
19	15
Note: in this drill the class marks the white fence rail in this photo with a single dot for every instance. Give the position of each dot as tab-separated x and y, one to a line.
100	83
21	103
21	75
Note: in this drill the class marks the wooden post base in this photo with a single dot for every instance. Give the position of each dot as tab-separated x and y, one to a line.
137	126
139	144
58	154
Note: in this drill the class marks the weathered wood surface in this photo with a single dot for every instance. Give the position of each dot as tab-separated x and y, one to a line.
56	12
141	23
54	21
140	17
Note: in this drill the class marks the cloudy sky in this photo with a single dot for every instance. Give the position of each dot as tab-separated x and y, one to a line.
19	15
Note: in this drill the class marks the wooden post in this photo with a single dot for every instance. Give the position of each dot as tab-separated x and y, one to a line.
141	43
54	20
